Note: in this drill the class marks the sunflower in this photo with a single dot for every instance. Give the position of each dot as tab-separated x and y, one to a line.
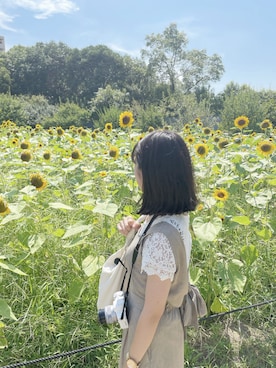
84	133
76	154
94	135
150	129
60	131
186	128
108	127
206	131
15	141
40	145
140	137
223	143
197	120
266	148
26	155
79	130
126	119
200	207
38	181
47	155
201	149
221	194
25	145
166	127
114	152
50	131
216	139
266	124
241	122
4	208
190	139
102	174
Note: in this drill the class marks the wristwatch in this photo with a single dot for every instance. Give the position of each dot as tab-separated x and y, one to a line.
131	362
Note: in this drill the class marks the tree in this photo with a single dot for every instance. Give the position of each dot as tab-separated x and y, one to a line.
167	57
246	102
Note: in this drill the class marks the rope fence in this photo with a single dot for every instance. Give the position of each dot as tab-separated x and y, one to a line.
97	346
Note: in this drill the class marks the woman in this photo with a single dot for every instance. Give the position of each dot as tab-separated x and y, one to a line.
163	171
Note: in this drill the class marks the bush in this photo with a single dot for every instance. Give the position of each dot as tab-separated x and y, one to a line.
68	114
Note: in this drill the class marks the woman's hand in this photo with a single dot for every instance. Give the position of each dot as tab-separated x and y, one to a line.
127	224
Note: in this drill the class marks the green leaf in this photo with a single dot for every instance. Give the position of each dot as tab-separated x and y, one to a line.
75	290
77	229
8	266
61	206
249	254
236	278
59	232
106	208
207	230
91	265
6	311
11	217
195	274
265	233
3	340
260	200
35	242
242	220
217	306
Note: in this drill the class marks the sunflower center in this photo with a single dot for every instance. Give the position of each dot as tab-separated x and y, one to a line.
3	206
112	153
221	195
201	150
266	147
126	120
265	125
37	181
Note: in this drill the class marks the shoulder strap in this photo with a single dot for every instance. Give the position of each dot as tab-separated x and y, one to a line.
136	250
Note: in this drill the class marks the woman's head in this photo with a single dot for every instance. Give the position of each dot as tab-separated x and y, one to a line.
167	174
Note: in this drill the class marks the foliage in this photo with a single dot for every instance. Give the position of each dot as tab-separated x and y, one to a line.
247	102
68	114
168	58
11	108
105	98
56	231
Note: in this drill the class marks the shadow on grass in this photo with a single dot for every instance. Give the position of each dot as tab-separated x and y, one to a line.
231	344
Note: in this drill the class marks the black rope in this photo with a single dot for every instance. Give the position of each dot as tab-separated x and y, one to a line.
81	350
237	310
60	355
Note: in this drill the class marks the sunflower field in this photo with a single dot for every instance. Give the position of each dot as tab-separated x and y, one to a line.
62	193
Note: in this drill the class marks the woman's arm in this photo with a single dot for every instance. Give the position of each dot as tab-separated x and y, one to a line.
155	301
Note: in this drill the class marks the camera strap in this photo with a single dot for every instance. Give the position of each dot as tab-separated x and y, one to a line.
136	249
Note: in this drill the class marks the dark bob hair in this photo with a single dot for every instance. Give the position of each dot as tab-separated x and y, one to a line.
168	181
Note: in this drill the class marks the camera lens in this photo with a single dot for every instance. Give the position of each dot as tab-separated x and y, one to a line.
101	316
107	315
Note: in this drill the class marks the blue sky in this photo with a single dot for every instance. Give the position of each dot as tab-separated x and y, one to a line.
242	32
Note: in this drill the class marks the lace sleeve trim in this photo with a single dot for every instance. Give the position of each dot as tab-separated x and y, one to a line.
157	257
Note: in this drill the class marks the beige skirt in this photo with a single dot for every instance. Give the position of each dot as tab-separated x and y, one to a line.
167	347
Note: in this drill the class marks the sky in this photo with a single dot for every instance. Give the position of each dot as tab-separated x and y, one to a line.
241	32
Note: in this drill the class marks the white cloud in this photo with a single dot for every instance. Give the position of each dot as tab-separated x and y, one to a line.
45	8
5	19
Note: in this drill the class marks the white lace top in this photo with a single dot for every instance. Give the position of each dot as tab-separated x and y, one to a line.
157	255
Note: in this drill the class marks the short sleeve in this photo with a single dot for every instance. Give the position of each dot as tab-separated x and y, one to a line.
157	257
